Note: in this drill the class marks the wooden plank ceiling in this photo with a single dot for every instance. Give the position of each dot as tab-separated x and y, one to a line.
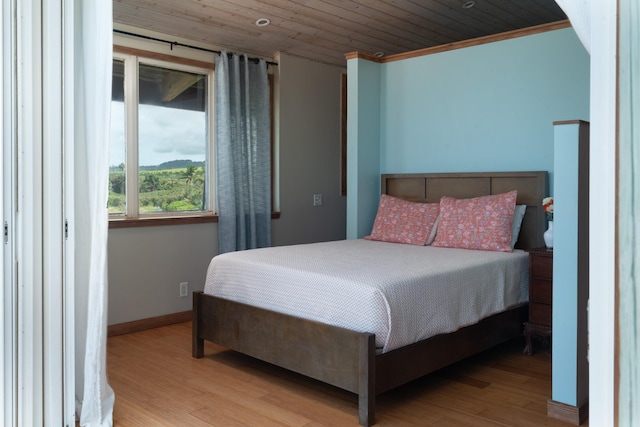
324	30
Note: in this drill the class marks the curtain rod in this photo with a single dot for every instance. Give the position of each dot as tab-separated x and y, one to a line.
172	44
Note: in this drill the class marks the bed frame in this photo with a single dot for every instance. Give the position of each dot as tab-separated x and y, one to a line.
348	359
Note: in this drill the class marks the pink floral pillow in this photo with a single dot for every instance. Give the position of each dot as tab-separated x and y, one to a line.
402	221
483	223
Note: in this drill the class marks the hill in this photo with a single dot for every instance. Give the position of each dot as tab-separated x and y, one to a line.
173	164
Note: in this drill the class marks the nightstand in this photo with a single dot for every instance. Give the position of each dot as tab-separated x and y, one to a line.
540	296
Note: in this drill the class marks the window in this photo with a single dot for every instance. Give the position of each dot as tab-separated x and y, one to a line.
161	148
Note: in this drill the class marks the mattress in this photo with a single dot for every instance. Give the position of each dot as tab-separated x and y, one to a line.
401	293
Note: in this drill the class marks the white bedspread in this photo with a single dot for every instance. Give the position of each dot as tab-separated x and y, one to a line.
402	293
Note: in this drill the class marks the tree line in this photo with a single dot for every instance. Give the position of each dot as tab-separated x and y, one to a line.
161	190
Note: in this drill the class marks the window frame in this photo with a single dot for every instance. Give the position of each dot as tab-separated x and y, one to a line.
132	217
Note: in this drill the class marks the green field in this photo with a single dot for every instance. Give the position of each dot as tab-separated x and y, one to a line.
161	190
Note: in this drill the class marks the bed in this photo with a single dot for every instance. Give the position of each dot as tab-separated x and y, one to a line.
350	357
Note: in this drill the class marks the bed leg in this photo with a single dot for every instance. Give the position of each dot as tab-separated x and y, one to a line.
197	343
367	387
197	349
366	410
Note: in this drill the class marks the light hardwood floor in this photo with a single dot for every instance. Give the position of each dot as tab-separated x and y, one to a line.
158	383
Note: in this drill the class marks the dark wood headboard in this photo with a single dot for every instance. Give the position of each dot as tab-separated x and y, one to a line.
430	187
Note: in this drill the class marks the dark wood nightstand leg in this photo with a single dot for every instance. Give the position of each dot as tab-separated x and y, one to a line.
531	329
528	348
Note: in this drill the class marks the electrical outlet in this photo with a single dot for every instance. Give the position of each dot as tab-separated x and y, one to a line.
317	200
184	289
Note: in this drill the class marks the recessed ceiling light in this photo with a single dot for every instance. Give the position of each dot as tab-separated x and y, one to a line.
469	4
378	54
263	22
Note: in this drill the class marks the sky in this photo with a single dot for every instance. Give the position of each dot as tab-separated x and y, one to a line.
165	134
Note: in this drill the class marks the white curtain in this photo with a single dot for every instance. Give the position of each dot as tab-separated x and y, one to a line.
243	153
579	13
93	58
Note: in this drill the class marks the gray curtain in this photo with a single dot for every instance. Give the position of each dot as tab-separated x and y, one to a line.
243	153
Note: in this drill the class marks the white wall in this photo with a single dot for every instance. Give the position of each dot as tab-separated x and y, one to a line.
147	264
309	138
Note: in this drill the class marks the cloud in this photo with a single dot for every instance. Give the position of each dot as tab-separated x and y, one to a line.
170	134
165	134
117	144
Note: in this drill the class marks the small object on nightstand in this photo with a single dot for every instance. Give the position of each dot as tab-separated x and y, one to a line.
540	296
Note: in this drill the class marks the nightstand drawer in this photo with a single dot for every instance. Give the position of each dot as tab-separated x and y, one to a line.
540	313
542	267
541	290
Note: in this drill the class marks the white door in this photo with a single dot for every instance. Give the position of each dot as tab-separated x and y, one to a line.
37	298
7	156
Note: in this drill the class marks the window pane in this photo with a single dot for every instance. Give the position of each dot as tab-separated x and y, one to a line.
117	176
172	140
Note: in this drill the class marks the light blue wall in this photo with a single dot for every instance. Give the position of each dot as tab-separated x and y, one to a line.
570	288
363	147
484	108
565	261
